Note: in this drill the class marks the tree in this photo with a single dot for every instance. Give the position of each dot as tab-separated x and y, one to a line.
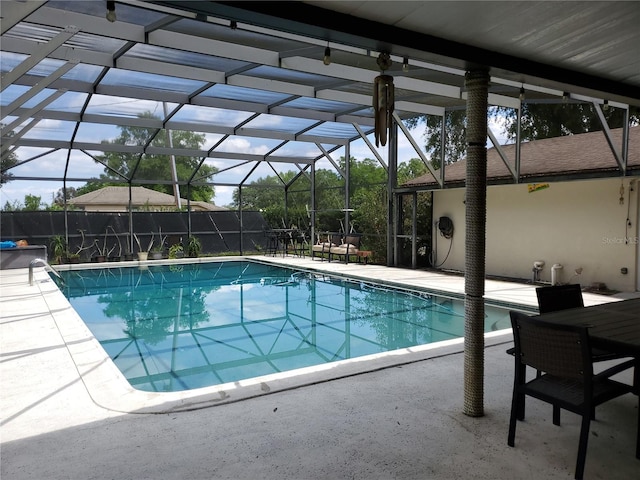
538	121
455	146
62	196
6	164
121	167
14	206
32	202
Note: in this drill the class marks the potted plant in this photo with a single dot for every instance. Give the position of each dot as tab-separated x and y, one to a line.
74	257
102	252
157	252
58	244
176	251
193	246
143	253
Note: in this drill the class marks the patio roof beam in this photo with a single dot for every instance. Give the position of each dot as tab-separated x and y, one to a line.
373	150
15	139
24	115
37	88
41	53
621	159
417	149
11	17
327	155
496	144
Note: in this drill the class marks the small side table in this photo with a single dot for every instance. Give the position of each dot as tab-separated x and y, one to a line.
364	254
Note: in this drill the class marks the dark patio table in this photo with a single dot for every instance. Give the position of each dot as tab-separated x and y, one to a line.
613	326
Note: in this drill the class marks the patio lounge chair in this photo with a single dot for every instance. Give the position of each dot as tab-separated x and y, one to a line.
563	353
324	243
348	247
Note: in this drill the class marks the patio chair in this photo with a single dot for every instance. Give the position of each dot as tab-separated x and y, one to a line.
561	297
324	243
563	353
350	246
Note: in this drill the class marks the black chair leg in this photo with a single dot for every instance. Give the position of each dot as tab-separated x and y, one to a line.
582	446
638	430
516	410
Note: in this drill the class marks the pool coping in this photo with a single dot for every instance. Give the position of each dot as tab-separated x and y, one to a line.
109	389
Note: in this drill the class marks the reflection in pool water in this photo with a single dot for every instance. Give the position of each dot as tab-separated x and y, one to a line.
179	327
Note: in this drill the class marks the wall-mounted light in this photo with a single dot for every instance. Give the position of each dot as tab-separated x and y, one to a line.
111	11
522	94
233	25
605	105
565	97
327	56
405	64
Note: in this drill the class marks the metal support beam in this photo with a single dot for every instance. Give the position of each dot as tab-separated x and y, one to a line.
621	157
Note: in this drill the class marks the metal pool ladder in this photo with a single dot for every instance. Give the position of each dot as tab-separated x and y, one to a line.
44	263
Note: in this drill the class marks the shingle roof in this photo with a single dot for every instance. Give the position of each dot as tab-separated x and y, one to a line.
582	153
140	196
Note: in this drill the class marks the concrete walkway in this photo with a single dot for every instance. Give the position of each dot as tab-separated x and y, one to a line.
66	414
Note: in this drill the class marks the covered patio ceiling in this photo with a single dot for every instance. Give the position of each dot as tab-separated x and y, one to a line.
253	79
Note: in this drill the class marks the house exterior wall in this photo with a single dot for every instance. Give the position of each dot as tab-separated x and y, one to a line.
574	224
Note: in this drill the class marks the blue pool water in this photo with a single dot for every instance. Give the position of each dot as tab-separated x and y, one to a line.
173	328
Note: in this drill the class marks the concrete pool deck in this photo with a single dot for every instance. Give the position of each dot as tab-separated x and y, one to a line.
65	413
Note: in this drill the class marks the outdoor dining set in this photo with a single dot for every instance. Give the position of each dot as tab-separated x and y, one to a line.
561	345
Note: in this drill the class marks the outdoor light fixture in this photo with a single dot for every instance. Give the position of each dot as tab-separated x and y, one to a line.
605	105
383	100
405	64
111	11
565	97
327	56
521	94
233	25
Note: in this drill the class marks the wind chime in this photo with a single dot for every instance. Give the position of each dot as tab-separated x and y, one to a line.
383	100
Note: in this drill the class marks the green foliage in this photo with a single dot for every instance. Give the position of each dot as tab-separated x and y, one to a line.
124	167
455	140
14	206
32	202
540	121
58	245
176	251
193	246
6	163
368	190
61	195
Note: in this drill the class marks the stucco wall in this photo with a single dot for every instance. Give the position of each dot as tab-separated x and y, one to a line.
575	224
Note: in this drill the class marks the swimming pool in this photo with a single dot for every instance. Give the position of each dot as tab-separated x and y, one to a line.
181	327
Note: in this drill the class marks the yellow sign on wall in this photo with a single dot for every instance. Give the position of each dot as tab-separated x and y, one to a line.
534	187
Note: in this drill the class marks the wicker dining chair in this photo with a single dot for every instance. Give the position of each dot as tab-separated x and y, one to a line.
561	297
563	353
